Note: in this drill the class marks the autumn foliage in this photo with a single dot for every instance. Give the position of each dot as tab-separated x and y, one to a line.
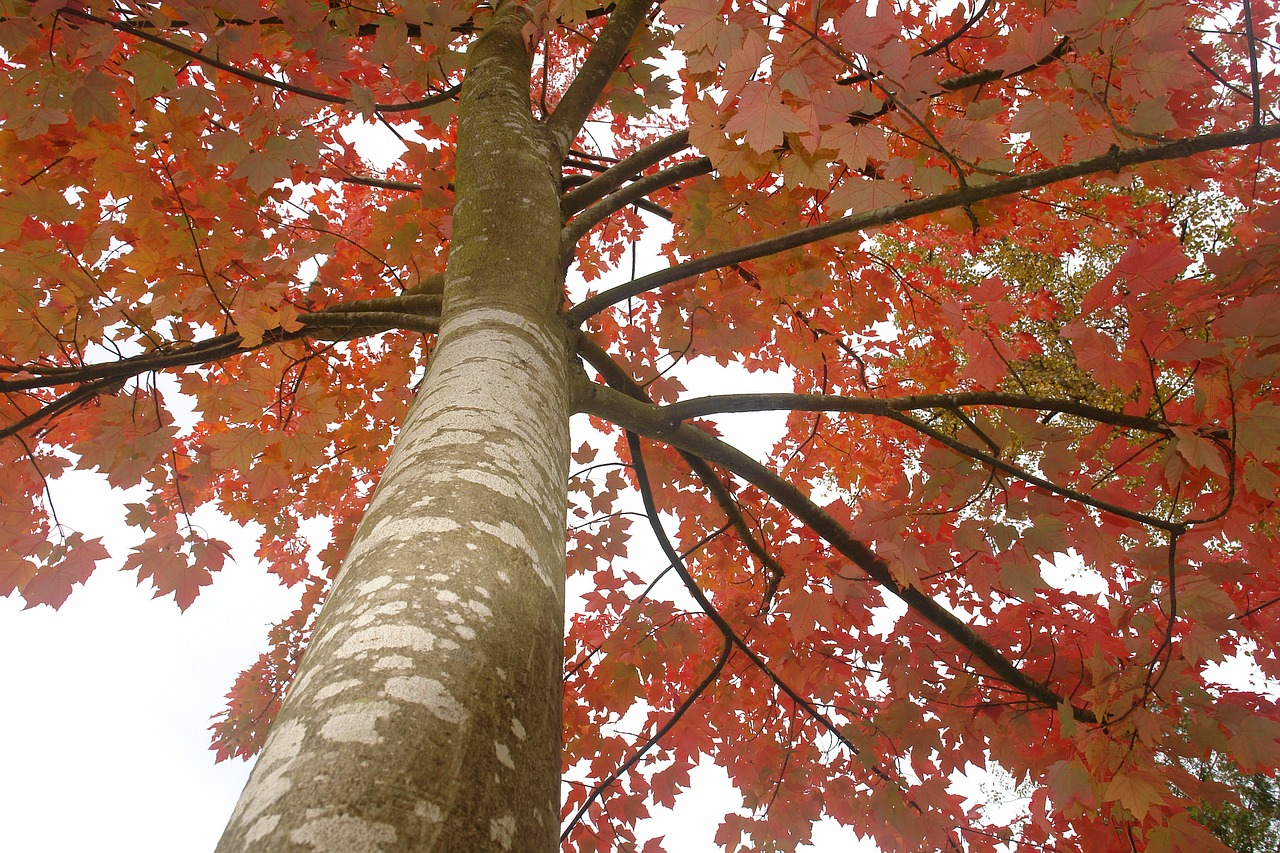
1020	262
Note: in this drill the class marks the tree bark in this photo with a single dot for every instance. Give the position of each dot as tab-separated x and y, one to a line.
426	711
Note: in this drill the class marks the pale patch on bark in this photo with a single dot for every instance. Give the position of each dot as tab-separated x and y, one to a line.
410	527
331	690
393	662
380	637
496	327
500	484
356	722
391	608
447	596
394	528
509	534
344	834
373	585
504	755
517	728
429	812
286	742
299	685
261	828
503	831
429	693
462	437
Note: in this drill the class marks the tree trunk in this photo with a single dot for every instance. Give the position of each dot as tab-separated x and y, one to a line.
426	712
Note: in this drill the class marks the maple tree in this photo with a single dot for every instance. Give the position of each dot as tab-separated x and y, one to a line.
1019	261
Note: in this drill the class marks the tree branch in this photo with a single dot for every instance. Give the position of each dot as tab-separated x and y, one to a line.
997	464
664	542
653	739
893	409
651	509
636	190
417	312
608	52
971	78
968	24
283	85
624	170
377	183
698	407
83	394
1255	84
570	671
1113	161
649	420
619	379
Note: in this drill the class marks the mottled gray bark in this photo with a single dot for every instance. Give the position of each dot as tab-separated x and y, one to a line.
426	713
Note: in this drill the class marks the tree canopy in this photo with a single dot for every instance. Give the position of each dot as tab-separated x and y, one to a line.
1020	262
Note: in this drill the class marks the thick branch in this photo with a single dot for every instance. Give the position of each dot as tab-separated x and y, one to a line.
413	312
606	55
633	192
617	378
1113	161
377	183
649	420
642	203
75	397
94	379
624	170
889	407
